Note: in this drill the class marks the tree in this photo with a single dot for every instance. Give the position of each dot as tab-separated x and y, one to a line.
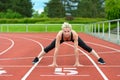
4	5
112	9
55	8
91	8
23	7
70	7
76	8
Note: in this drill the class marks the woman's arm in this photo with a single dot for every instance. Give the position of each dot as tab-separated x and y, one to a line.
57	44
75	37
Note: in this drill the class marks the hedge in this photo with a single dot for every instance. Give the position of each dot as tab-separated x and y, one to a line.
50	20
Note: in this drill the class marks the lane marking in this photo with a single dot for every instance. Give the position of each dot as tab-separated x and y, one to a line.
107	66
21	58
66	75
65	71
8	47
104	46
109	52
30	70
33	67
3	72
18	58
6	75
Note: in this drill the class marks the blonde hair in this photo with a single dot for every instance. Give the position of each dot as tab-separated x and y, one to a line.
66	25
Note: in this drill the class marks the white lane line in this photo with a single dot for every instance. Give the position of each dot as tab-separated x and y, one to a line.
117	50
18	58
109	52
30	70
33	67
43	66
96	66
8	47
65	75
105	66
118	75
67	55
6	75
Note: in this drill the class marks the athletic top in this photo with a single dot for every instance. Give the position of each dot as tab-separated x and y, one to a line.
62	40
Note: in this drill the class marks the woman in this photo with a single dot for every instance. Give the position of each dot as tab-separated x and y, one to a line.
67	34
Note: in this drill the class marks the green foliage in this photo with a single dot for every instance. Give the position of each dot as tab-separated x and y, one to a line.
16	8
37	15
10	14
91	8
55	9
112	9
51	20
75	8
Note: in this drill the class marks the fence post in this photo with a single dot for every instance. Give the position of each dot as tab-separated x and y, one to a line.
26	27
92	28
7	28
95	29
98	29
81	28
118	31
0	28
103	30
109	25
46	28
89	27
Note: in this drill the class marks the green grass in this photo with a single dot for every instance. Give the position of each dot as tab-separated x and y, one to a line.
37	27
49	27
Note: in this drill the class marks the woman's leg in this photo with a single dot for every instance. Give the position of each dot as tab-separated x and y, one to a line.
44	51
83	45
90	50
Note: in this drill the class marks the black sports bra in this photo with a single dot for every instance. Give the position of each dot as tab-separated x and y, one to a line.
68	40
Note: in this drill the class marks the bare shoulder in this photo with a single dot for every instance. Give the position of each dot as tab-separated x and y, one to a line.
74	33
59	34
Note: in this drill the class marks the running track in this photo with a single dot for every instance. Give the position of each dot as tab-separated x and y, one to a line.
17	50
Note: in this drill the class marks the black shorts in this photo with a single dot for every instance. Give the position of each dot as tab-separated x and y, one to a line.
80	43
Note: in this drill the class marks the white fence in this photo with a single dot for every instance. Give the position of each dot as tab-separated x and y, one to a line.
104	30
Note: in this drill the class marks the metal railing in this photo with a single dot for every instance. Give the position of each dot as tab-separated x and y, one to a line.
104	30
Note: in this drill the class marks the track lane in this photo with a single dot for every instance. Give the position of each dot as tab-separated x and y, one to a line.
112	64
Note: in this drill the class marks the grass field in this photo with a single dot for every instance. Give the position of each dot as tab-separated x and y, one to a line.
37	27
54	27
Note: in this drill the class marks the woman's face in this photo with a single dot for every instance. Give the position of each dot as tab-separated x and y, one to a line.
66	32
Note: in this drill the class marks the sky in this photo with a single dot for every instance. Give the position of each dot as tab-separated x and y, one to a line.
39	5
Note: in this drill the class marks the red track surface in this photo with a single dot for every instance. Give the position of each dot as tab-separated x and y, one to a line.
18	50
